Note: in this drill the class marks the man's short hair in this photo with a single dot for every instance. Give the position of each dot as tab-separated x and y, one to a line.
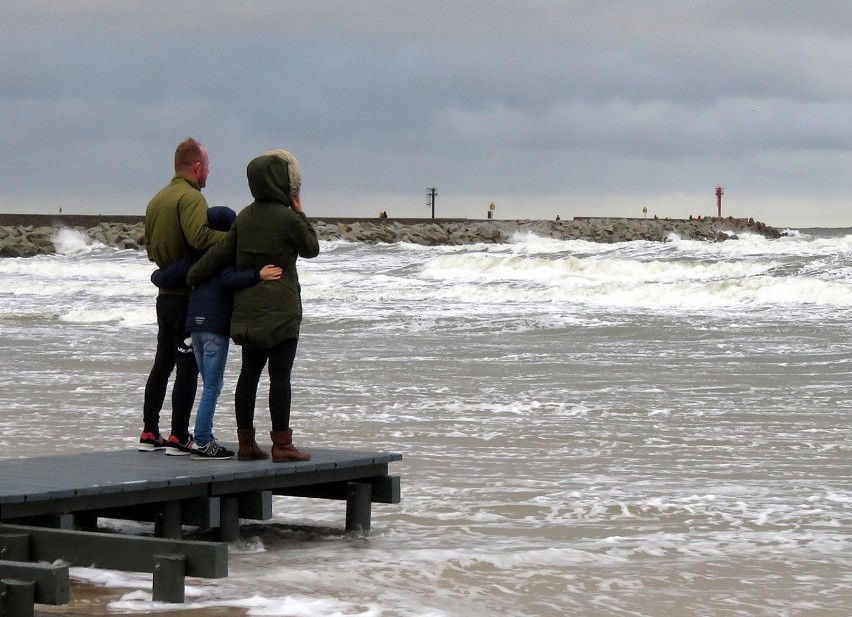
188	153
293	169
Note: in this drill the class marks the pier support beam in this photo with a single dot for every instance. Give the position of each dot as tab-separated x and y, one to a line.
119	552
52	582
15	546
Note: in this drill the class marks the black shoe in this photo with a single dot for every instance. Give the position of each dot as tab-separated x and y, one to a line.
210	451
176	447
149	442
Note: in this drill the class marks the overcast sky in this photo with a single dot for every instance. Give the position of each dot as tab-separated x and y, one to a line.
576	108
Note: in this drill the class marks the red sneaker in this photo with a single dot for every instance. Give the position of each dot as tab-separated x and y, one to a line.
149	442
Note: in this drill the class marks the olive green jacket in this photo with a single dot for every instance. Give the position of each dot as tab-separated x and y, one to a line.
265	232
176	223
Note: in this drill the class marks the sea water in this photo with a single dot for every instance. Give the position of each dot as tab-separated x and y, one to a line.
586	429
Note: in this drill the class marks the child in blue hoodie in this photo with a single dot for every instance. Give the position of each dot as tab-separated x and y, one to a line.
208	322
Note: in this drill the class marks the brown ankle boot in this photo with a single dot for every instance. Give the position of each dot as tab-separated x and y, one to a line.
249	450
283	449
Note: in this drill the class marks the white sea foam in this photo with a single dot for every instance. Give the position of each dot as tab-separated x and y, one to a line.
72	242
283	606
564	270
532	271
130	316
679	275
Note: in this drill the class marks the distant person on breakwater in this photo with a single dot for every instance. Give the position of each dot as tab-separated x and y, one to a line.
175	225
208	322
267	317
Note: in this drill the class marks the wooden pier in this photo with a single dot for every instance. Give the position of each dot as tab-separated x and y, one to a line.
49	507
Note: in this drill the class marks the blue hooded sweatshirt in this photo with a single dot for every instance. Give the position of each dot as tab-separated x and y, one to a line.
211	303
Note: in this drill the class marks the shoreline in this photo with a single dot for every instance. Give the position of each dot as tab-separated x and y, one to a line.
27	235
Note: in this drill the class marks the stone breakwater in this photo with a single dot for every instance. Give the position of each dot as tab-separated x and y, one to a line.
27	236
607	230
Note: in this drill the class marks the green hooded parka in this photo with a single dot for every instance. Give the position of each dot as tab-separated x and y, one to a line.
267	231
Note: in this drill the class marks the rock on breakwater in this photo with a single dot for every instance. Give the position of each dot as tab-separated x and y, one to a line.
29	235
29	241
608	230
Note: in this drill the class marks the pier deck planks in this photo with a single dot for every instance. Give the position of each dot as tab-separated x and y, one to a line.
92	480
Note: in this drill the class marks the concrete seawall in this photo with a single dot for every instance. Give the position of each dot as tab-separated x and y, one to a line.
26	235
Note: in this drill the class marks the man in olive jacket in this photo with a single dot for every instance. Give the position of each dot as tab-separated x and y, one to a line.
175	226
273	229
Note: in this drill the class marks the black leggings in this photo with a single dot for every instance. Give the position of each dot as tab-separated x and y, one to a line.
280	360
171	315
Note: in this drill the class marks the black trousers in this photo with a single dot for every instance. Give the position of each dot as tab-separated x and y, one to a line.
171	353
280	359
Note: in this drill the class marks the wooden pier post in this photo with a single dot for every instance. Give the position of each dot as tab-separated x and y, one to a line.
358	505
229	520
168	522
17	598
169	578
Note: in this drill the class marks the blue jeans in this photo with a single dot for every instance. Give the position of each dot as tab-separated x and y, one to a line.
211	353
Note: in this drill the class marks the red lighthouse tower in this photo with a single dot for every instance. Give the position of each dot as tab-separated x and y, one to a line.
719	192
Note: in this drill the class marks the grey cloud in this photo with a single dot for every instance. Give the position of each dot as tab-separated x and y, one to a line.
537	97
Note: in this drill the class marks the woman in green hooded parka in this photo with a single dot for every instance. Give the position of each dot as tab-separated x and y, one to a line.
273	229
